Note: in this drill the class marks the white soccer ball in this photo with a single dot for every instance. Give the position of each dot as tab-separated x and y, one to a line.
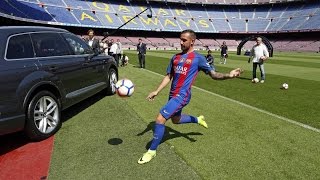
255	80
125	88
285	86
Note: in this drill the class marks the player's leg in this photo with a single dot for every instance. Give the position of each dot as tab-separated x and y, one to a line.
143	61
263	74
140	60
225	58
254	70
117	59
158	133
166	112
159	128
179	118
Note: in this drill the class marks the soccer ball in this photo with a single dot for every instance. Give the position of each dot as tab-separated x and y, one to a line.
285	86
124	88
255	80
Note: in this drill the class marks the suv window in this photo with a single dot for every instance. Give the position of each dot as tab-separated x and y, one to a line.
77	45
49	44
19	47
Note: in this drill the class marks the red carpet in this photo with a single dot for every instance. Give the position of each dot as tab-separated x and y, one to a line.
20	159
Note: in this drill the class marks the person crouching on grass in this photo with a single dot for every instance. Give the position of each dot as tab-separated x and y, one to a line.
182	71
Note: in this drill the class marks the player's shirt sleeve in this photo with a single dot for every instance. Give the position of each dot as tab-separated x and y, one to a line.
169	68
204	65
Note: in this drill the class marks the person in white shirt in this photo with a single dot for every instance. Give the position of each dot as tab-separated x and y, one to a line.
259	54
113	52
105	48
119	48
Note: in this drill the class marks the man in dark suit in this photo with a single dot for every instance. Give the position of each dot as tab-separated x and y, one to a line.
93	42
110	42
142	50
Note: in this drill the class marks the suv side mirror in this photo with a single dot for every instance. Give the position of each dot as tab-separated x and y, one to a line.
92	54
95	53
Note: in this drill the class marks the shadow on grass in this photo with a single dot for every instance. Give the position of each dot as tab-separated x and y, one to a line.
137	66
13	141
79	107
169	134
115	141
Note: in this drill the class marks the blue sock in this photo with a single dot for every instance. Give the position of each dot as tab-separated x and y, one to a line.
188	119
157	136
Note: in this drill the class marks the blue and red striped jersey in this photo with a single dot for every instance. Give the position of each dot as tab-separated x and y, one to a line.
184	69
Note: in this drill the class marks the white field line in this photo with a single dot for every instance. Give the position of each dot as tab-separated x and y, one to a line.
252	107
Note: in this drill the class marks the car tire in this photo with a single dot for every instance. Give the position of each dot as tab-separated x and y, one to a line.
43	116
112	80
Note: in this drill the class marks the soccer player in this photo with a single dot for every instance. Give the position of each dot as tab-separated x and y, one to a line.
210	58
224	53
259	54
182	70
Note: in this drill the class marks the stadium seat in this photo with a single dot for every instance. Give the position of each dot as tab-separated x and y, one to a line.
171	17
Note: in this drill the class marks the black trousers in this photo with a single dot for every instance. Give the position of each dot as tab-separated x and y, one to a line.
142	60
116	57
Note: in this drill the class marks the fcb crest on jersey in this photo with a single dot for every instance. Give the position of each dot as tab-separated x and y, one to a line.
182	60
188	61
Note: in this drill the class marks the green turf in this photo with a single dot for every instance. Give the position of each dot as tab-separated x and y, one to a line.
300	102
241	143
289	67
82	149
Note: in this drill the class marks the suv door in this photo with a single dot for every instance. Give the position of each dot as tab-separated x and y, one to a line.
17	64
55	57
93	64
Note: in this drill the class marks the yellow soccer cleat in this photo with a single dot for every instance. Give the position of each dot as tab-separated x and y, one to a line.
202	122
148	156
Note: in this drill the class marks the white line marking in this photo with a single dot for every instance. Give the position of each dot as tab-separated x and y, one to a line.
252	107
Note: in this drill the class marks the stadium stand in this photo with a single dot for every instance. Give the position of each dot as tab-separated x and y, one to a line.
229	2
170	17
208	16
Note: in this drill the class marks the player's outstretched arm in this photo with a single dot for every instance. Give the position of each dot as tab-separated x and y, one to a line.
221	76
165	81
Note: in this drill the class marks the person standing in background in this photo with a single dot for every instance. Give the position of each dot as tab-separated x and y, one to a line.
113	52
141	51
110	42
224	53
93	42
119	49
259	53
105	48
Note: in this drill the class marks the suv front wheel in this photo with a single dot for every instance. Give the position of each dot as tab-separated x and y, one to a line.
43	116
113	79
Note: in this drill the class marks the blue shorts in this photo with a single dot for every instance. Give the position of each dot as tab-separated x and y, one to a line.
173	107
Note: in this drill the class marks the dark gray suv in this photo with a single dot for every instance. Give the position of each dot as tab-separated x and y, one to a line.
43	71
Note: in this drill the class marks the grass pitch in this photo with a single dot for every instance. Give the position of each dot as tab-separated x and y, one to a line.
300	102
104	137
